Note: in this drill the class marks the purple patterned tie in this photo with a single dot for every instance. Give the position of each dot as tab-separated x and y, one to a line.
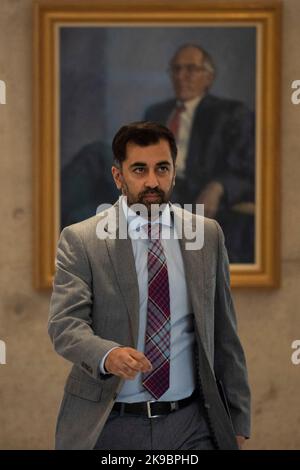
157	340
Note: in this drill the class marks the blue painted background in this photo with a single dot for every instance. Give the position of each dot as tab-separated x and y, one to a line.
110	75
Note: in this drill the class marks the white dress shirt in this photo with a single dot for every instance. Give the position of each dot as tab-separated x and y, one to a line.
182	370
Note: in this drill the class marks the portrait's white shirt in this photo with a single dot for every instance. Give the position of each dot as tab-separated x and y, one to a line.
184	133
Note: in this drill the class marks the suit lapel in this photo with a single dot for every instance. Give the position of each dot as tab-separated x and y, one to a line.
171	105
194	270
200	134
122	259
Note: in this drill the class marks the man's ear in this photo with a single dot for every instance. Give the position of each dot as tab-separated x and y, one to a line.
174	177
117	176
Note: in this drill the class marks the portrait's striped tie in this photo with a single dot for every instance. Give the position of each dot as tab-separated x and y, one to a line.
157	338
174	121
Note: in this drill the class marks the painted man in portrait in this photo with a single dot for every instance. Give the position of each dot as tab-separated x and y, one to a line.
216	142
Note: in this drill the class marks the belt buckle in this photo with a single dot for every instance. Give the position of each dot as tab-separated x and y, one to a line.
149	410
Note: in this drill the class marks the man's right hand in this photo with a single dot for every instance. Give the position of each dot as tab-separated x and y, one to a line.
127	363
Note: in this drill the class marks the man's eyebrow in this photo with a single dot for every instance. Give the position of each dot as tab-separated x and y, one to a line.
165	162
143	164
137	164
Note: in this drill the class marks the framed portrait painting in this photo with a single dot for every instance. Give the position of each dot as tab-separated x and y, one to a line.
207	70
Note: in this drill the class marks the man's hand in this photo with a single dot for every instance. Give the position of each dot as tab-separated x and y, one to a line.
210	197
240	441
127	363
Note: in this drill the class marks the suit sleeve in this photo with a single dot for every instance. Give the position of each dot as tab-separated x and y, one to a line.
238	180
70	317
229	362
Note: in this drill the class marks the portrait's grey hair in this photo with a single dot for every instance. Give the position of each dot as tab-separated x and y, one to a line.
208	62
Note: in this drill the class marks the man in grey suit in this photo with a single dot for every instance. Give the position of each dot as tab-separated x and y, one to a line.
147	321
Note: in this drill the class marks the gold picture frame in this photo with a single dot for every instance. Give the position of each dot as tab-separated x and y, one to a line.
263	15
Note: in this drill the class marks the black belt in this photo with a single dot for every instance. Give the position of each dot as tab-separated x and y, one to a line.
153	409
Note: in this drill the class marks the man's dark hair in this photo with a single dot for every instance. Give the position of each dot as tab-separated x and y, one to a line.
142	133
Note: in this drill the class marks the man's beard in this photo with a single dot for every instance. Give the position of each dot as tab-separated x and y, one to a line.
162	197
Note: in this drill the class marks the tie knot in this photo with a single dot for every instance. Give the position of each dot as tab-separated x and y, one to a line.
153	231
175	118
180	107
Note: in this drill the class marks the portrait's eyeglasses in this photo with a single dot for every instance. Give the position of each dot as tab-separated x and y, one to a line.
189	68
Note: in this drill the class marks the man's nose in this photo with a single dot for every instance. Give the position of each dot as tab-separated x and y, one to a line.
182	75
151	181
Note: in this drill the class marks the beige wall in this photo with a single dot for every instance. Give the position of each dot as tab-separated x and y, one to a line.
32	381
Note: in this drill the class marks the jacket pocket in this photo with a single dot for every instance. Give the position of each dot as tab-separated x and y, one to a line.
84	389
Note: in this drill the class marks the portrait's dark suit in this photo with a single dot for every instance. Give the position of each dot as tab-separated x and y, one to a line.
95	306
86	182
221	148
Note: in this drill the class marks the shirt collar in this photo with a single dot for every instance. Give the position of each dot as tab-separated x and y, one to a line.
135	221
191	105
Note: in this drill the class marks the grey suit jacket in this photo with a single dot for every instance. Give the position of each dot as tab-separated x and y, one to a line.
95	306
